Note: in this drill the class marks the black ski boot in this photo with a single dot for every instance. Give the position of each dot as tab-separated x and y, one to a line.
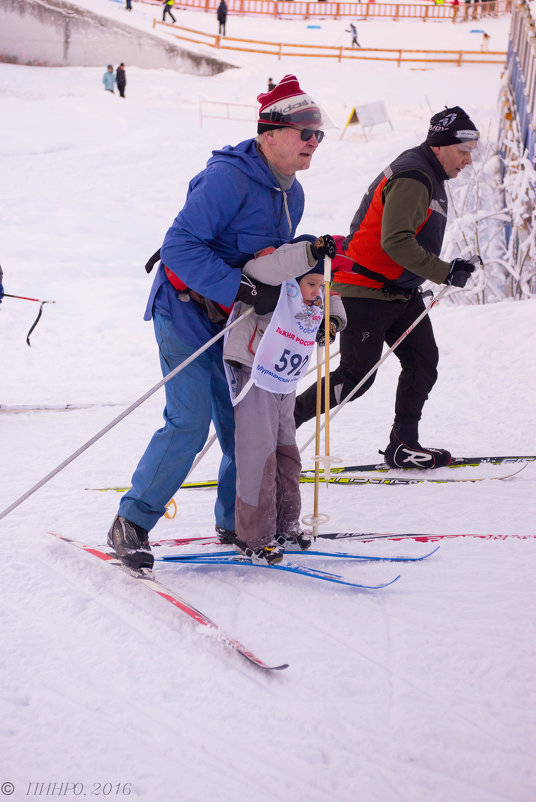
404	450
131	544
225	536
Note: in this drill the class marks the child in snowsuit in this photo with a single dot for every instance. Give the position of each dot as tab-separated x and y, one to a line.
265	356
108	79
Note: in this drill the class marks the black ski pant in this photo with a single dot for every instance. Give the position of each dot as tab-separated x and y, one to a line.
370	323
167	10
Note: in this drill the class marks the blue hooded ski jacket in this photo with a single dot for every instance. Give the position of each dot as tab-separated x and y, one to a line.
234	208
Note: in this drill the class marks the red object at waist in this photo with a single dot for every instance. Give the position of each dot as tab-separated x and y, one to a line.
179	285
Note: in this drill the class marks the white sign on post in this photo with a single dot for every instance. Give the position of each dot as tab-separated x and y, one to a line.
368	115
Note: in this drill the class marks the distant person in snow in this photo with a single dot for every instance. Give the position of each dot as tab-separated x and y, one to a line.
221	13
168	4
353	31
246	199
121	79
129	5
1	284
108	79
393	246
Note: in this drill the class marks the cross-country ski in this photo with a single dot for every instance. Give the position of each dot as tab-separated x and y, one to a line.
168	594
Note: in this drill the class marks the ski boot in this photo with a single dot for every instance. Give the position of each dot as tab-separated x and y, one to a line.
405	451
265	555
131	544
296	538
225	536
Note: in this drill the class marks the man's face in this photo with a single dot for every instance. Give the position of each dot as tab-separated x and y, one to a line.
287	151
453	158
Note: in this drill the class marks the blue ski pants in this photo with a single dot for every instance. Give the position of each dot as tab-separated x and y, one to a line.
194	397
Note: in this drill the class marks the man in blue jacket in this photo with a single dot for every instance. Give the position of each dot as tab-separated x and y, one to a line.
246	199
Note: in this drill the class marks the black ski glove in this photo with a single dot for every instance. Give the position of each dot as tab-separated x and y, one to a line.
460	270
333	329
262	297
324	246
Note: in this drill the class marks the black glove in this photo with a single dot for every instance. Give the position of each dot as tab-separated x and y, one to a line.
460	270
333	329
324	246
262	297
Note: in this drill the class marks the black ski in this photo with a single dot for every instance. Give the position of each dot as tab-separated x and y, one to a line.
457	462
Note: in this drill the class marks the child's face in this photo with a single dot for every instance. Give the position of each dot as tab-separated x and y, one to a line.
310	287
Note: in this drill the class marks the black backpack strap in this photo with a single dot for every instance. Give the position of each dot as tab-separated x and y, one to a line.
152	261
388	285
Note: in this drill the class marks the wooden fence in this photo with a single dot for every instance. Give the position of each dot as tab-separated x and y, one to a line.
280	49
296	9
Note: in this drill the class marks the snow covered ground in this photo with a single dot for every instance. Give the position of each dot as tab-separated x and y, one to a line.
422	692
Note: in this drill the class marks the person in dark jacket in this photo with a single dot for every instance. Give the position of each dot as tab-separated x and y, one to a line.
168	4
221	13
245	200
121	79
393	246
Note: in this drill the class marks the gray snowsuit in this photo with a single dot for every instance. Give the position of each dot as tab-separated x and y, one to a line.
267	459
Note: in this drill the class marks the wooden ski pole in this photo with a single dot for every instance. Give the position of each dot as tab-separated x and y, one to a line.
316	518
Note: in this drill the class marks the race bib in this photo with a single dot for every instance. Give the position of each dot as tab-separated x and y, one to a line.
287	344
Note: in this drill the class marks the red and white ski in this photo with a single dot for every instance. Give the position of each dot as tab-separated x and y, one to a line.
171	596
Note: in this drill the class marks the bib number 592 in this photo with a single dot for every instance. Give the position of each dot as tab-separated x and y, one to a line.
296	361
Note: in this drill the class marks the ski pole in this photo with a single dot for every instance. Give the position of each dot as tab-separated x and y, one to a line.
316	518
195	463
120	417
403	336
38	318
312	370
24	298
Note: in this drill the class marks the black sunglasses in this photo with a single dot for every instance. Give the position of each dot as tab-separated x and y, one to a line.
307	133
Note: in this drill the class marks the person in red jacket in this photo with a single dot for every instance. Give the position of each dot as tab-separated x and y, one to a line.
393	246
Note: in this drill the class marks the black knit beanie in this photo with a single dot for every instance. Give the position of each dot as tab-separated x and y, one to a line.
450	127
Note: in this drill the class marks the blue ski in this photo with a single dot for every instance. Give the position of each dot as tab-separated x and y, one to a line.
231	558
211	555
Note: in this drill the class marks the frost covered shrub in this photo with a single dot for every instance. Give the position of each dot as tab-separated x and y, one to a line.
492	212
